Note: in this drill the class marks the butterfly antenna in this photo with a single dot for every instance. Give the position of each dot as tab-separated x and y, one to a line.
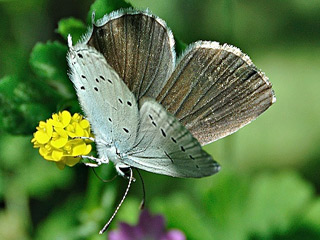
143	191
101	179
117	209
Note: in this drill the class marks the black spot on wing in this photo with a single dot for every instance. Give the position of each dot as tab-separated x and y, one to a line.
163	132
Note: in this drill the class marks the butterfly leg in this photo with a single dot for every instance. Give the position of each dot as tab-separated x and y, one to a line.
119	167
98	161
85	138
122	170
98	141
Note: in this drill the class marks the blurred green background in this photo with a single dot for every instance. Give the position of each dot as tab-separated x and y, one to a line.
269	184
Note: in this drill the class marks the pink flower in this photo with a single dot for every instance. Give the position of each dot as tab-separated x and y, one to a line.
148	228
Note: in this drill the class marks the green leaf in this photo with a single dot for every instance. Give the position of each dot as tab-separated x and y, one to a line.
2	185
7	86
182	213
312	216
259	206
75	27
299	232
102	7
129	212
99	205
48	176
179	46
49	62
21	119
239	207
276	201
224	201
62	222
20	90
23	103
72	105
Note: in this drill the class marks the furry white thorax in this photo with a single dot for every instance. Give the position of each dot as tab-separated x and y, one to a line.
111	153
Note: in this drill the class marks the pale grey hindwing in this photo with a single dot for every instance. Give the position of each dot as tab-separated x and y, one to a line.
165	146
139	46
107	102
215	90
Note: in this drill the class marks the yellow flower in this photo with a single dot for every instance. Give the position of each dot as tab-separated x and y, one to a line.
56	140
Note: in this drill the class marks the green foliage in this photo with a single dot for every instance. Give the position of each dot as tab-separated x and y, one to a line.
21	104
61	225
27	99
49	62
241	208
180	46
249	199
102	7
276	201
75	27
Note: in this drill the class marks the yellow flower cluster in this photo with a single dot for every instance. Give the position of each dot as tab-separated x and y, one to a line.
56	140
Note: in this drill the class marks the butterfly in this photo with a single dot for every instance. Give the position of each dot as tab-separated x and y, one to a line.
151	112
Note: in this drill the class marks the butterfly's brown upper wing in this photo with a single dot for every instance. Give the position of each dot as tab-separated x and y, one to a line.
215	90
139	47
